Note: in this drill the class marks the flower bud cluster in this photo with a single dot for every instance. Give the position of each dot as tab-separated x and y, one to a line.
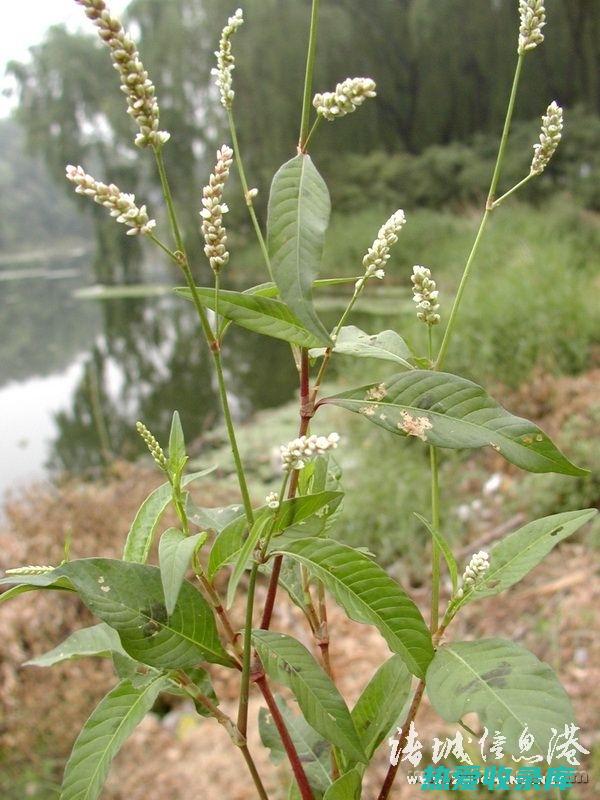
121	206
299	452
533	19
550	136
226	60
378	254
153	446
135	83
215	235
476	569
425	295
272	500
347	97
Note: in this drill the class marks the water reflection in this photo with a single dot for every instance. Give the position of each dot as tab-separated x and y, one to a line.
77	374
90	369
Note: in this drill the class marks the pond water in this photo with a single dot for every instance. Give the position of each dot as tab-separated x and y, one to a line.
76	374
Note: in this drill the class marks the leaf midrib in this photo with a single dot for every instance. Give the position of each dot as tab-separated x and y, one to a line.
490	575
487	686
406	653
140	697
438	415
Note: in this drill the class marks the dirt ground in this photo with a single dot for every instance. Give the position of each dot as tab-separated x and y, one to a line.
177	756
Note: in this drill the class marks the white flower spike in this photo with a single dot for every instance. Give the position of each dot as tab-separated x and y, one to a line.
120	205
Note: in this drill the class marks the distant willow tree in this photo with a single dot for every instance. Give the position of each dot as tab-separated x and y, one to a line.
430	91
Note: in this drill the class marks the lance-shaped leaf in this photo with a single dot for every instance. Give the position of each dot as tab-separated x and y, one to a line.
110	724
387	346
99	640
260	314
381	702
461	415
298	217
129	597
445	550
259	529
346	787
521	551
177	454
314	751
369	595
270	289
505	684
290	663
175	551
141	533
212	519
291	512
20	584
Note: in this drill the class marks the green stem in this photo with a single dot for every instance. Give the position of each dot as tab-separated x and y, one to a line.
435	550
315	125
247	654
239	467
242	721
517	186
164	248
489	204
246	191
506	129
211	339
308	78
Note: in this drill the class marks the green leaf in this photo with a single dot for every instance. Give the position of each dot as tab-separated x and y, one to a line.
505	684
177	454
444	549
30	583
347	787
141	533
381	702
462	415
387	346
291	512
175	550
245	554
212	519
103	735
290	663
521	551
298	217
259	314
368	595
270	289
129	597
98	640
313	750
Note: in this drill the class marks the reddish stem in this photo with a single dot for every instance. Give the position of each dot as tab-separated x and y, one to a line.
393	769
295	763
306	414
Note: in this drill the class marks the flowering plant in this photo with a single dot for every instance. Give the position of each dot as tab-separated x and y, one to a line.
163	633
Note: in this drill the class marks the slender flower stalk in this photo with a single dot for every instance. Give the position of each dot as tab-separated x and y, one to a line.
137	87
347	97
120	205
213	230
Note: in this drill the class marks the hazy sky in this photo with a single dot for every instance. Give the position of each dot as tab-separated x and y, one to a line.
24	23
